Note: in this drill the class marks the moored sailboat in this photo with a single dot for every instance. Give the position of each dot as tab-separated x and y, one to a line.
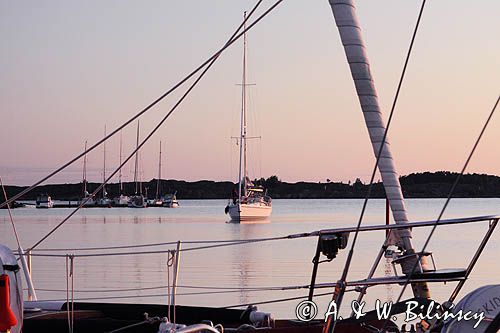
44	201
87	200
104	201
121	200
250	202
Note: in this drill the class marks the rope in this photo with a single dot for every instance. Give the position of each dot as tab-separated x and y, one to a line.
231	289
71	272
10	214
221	244
68	315
191	294
339	295
146	321
167	294
448	199
147	108
279	300
167	243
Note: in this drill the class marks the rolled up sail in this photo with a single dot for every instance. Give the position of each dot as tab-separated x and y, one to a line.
346	20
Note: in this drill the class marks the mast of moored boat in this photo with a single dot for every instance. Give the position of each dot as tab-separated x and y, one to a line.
84	176
136	161
159	176
243	129
120	170
104	167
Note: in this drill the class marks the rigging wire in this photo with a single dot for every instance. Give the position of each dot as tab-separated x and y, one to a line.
10	215
448	199
268	288
277	300
170	243
374	171
242	242
234	38
229	42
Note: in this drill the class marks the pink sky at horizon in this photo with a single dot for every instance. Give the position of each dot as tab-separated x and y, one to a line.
72	67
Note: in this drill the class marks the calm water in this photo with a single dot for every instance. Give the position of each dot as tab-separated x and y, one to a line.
277	263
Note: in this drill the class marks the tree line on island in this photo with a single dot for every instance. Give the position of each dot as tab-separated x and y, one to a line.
415	185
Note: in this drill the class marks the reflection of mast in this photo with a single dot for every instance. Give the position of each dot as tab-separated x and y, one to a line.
159	176
136	160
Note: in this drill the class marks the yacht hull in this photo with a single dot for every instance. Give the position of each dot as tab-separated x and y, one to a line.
249	212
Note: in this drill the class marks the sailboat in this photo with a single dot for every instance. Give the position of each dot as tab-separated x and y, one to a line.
70	315
87	199
167	200
44	201
250	202
121	200
104	201
157	201
137	200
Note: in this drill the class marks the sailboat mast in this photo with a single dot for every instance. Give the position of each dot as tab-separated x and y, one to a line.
104	167
245	165
84	181
159	176
136	160
243	131
120	170
346	19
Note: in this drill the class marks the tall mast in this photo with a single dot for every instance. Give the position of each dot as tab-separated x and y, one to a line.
136	160
104	168
159	176
84	181
243	132
346	19
120	170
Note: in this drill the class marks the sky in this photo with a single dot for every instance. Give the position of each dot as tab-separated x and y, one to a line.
71	67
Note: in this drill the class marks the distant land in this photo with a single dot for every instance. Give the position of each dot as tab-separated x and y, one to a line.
415	185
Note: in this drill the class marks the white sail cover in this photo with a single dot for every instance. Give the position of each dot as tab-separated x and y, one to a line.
350	34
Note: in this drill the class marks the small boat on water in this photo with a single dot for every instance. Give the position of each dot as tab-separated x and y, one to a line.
87	200
250	202
121	201
44	201
167	200
170	200
137	200
104	201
